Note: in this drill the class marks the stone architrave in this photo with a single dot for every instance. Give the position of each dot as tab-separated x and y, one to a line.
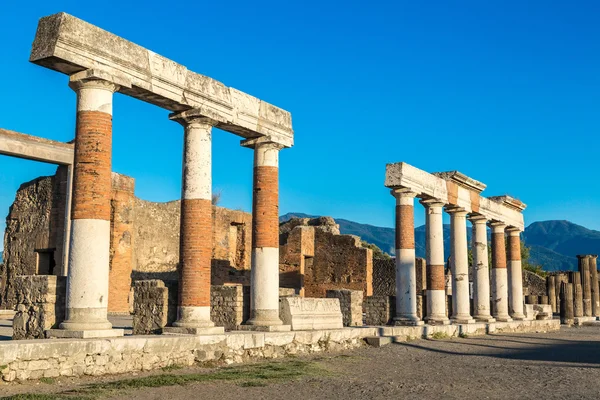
304	313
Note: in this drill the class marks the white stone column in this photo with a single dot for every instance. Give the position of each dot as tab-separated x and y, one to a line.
264	290
436	281
67	222
87	278
499	273
406	279
515	275
461	313
481	270
196	233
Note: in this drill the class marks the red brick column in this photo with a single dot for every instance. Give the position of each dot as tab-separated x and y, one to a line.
516	304
499	273
195	241
87	282
264	292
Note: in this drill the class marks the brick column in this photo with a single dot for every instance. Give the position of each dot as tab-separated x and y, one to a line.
436	281
481	270
195	238
515	275
406	280
264	292
595	286
499	273
87	279
459	262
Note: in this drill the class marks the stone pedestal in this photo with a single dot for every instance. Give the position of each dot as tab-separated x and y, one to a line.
303	313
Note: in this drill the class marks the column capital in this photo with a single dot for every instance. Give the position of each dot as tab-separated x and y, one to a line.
512	231
432	202
497	226
97	79
454	210
262	142
477	218
192	117
403	193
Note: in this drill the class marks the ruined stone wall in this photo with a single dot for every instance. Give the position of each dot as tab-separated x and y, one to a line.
313	256
533	284
32	224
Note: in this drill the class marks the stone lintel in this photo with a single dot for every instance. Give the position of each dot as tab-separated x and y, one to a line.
69	45
426	185
509	202
35	148
461	180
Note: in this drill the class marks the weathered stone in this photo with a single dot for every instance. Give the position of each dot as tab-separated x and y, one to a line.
40	305
379	310
150	307
351	303
310	313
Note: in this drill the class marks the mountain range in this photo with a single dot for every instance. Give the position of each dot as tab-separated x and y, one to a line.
553	244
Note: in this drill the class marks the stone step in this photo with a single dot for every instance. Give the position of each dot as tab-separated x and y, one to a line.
378	341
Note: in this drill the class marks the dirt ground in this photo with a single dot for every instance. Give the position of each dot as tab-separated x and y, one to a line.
560	365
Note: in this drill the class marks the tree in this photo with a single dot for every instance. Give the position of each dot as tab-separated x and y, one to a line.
377	252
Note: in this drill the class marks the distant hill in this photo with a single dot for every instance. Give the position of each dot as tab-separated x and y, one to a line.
554	244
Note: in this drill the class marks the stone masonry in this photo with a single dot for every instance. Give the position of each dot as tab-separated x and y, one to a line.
351	304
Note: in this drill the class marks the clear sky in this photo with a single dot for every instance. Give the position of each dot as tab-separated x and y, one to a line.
507	92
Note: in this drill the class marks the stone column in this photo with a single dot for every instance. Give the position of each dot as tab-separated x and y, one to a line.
195	240
567	315
264	292
551	290
515	274
595	286
67	222
499	274
586	284
436	280
406	279
481	270
87	278
575	279
459	261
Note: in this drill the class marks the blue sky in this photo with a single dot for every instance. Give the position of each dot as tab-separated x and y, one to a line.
505	92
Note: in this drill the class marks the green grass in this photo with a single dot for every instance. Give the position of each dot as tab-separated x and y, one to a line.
251	375
173	367
48	381
439	335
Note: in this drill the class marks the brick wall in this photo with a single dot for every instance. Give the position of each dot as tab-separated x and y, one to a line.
379	310
351	304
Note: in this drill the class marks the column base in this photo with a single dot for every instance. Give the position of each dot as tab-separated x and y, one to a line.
181	330
518	317
462	320
484	318
436	321
407	321
503	318
83	334
265	328
264	318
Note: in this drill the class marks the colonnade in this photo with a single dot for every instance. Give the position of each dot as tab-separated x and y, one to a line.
497	299
87	283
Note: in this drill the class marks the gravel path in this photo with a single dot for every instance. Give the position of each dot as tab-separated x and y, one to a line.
558	365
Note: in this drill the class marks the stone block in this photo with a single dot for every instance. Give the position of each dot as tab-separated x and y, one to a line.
88	334
379	310
310	314
150	307
351	304
378	341
40	305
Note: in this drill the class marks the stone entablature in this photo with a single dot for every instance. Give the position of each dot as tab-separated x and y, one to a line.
448	191
69	45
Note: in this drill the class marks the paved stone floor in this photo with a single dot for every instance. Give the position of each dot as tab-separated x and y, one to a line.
559	365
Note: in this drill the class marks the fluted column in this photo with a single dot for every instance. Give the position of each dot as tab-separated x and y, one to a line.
499	274
481	270
264	289
195	240
406	279
434	242
595	286
515	275
459	261
89	250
